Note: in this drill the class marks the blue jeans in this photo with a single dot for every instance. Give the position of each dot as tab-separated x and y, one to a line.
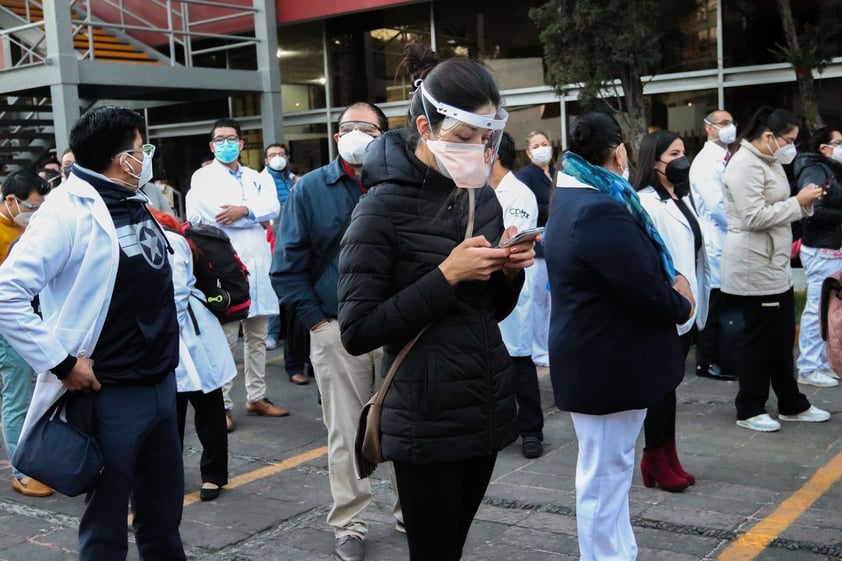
812	355
17	393
136	427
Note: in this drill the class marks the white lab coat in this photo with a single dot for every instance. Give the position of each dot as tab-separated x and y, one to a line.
706	182
520	208
213	186
205	361
678	237
69	254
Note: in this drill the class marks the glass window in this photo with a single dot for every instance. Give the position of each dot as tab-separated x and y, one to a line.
506	40
308	147
683	113
301	57
366	50
750	31
743	101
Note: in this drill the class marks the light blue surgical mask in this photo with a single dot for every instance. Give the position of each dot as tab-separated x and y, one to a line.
226	152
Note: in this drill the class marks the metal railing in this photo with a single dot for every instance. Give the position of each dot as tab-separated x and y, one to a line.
174	32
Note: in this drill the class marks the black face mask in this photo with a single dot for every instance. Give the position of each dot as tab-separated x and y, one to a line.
678	171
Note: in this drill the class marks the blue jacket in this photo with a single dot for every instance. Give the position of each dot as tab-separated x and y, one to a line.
613	343
317	212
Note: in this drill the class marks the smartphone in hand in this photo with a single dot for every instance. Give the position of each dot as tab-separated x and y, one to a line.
522	236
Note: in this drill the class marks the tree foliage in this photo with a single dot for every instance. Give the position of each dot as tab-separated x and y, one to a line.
594	43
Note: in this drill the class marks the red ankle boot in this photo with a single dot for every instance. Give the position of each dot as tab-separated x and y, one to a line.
672	460
655	469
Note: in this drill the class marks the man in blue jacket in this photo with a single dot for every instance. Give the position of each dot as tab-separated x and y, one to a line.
305	273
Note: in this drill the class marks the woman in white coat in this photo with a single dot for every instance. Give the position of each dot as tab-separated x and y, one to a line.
663	184
205	364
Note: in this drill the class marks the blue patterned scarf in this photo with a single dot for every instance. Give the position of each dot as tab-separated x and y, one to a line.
620	190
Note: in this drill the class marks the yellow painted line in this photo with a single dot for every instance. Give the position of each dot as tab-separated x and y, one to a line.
265	471
749	545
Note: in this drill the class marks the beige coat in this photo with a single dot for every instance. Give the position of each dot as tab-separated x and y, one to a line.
755	259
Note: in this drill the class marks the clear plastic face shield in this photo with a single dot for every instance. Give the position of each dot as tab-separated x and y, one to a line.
465	144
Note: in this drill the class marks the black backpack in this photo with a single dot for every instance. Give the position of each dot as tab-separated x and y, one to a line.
219	273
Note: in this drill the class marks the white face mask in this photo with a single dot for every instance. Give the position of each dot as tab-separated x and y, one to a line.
465	164
145	171
542	155
352	146
837	153
626	173
22	218
785	154
728	134
278	163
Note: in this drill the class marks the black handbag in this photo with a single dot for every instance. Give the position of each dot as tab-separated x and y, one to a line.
59	454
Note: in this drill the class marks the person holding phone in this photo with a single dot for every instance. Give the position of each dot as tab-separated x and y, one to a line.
756	272
821	248
418	256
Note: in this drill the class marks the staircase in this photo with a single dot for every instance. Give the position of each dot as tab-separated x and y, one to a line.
93	43
26	131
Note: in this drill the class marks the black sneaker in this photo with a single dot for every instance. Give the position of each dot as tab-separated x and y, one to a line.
532	447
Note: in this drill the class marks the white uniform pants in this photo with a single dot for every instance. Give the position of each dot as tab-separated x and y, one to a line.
603	478
540	303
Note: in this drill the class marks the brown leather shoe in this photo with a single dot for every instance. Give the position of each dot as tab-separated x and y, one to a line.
299	379
229	420
266	408
31	488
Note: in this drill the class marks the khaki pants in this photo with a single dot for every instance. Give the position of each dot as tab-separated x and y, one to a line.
346	383
254	357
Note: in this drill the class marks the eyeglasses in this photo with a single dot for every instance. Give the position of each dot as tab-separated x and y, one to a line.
271	155
147	149
362	126
722	123
232	138
28	205
788	140
833	143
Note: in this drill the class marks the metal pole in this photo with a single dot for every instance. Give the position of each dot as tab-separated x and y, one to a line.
331	149
720	57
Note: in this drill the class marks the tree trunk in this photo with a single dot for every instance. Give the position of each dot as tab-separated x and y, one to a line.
804	75
637	122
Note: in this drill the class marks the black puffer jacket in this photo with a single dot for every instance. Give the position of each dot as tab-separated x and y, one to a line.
453	398
824	227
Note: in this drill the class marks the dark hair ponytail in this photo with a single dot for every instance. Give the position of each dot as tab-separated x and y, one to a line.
457	81
778	121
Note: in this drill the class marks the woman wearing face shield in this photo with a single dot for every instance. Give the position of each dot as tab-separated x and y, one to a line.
419	253
662	179
614	348
756	274
821	240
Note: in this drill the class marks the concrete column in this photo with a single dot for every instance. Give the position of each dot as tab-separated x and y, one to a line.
61	54
266	31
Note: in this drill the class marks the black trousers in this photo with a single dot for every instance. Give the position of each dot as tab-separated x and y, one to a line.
209	419
296	342
439	502
530	416
659	425
707	351
763	352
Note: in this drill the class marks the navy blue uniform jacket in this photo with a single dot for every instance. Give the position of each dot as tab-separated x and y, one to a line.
613	341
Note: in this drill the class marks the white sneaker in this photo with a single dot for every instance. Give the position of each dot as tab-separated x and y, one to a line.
811	415
828	372
760	423
818	379
271	344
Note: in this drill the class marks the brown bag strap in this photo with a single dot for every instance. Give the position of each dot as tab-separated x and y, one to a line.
381	393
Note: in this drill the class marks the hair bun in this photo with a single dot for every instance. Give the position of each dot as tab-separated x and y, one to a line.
418	60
